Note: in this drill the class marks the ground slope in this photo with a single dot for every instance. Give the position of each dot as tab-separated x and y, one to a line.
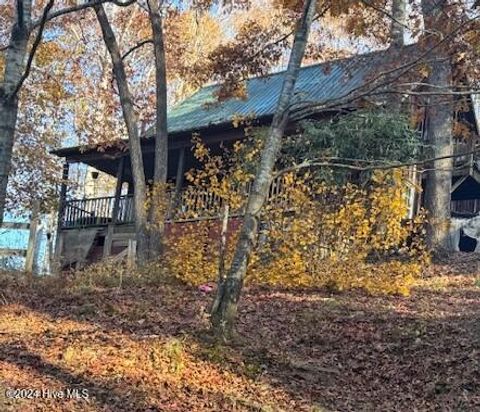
145	349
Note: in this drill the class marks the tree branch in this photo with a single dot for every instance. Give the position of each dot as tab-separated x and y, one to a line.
304	110
327	162
136	47
79	7
384	12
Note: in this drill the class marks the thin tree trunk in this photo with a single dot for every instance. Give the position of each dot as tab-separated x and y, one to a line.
135	147
439	121
399	20
157	209
397	41
17	69
223	317
221	255
15	66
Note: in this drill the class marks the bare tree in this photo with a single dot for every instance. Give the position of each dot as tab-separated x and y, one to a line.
398	23
131	123
156	217
224	309
19	59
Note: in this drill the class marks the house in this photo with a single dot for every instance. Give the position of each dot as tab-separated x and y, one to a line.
95	227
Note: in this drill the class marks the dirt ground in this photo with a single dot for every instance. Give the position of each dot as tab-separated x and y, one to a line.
146	348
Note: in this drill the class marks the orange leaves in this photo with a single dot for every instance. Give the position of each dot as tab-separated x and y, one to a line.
462	130
253	51
361	19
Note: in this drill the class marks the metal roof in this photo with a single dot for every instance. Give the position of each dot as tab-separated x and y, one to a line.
316	83
319	84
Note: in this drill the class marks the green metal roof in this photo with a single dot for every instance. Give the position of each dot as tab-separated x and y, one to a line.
317	83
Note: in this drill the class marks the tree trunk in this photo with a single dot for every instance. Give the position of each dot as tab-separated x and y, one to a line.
135	147
397	41
223	317
15	66
438	130
438	182
399	20
157	206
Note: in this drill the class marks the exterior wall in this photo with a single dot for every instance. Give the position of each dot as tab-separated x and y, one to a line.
85	246
214	228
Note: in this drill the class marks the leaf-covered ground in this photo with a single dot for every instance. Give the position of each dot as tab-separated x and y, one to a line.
145	348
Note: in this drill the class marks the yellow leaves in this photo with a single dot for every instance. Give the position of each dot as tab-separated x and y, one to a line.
241	120
192	255
200	150
321	242
47	53
312	233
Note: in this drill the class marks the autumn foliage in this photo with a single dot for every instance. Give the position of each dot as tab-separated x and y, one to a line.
312	234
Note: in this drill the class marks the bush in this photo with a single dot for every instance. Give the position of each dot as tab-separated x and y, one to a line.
319	235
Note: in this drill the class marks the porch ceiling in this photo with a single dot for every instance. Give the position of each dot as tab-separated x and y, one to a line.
109	163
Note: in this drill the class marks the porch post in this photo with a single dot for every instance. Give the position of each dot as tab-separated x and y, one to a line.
32	238
178	181
61	210
107	247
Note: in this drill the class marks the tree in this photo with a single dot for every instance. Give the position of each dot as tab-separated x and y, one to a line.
18	63
156	227
225	306
439	126
398	23
15	68
149	224
131	122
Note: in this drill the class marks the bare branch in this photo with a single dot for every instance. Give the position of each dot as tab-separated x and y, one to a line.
434	93
327	162
307	108
79	7
385	13
290	33
136	47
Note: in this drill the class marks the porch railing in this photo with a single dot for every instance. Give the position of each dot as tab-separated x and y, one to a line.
466	207
187	205
96	212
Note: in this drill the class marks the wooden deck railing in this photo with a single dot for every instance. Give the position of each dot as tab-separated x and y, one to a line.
96	212
190	204
466	207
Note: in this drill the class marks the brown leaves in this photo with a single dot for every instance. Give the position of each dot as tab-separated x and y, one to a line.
141	348
253	52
